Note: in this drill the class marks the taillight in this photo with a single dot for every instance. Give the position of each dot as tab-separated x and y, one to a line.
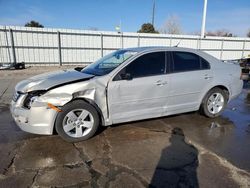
244	74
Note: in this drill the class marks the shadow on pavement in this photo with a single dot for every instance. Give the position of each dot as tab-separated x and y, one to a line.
177	165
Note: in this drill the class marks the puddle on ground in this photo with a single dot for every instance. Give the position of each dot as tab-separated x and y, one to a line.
227	135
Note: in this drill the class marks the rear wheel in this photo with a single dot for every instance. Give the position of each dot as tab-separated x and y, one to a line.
214	102
78	121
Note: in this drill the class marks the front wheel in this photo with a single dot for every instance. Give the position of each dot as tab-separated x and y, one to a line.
78	121
214	102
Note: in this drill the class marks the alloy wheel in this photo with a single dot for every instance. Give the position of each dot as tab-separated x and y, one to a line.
78	123
215	103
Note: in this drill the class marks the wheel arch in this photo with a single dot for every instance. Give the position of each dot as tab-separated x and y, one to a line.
220	86
89	101
203	110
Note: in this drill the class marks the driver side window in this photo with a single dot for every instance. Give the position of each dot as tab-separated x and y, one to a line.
146	65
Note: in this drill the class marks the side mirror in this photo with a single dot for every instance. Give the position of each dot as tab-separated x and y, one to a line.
126	76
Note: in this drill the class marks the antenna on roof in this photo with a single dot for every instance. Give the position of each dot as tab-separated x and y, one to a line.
177	44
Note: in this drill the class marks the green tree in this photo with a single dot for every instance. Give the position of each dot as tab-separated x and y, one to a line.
33	23
147	28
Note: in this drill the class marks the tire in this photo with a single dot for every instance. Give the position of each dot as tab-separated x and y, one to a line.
78	121
23	66
214	103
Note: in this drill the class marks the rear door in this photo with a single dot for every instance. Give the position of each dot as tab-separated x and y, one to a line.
143	92
190	77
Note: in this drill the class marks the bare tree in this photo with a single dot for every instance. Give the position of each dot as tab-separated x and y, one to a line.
248	33
171	25
220	33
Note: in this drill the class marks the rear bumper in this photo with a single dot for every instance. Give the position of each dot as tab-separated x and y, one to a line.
37	120
236	89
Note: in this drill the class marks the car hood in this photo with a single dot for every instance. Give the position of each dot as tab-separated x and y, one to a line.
50	80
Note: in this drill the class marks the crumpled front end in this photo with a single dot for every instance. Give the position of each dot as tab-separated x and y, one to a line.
92	91
35	111
37	119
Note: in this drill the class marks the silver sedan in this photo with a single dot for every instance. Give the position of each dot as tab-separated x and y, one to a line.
126	85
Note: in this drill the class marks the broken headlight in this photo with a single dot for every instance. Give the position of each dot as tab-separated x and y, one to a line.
31	97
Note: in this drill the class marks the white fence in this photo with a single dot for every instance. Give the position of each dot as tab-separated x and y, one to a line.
45	46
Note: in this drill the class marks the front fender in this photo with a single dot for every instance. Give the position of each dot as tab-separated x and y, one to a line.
60	99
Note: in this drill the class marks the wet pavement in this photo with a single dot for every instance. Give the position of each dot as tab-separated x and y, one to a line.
227	135
187	150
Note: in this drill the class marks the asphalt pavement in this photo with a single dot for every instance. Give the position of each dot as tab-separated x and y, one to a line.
186	150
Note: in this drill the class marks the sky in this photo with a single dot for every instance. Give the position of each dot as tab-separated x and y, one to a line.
231	15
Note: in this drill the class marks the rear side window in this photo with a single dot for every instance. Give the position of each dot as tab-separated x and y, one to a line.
183	61
186	61
147	65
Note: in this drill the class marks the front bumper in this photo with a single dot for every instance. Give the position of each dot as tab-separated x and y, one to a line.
37	120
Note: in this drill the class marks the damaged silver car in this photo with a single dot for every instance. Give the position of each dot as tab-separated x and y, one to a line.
126	85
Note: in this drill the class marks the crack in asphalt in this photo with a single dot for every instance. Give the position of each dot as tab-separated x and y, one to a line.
4	92
11	163
82	184
94	174
34	179
113	169
116	169
72	166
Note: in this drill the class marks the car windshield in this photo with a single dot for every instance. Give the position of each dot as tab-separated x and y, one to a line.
108	63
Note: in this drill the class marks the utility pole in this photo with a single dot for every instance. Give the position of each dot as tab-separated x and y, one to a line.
120	25
153	13
204	19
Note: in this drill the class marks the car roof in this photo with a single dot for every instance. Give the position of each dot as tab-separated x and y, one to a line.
160	48
149	48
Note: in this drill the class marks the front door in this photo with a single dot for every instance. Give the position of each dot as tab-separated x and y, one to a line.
139	90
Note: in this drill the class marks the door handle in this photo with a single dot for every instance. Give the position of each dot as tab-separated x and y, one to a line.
161	83
207	77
